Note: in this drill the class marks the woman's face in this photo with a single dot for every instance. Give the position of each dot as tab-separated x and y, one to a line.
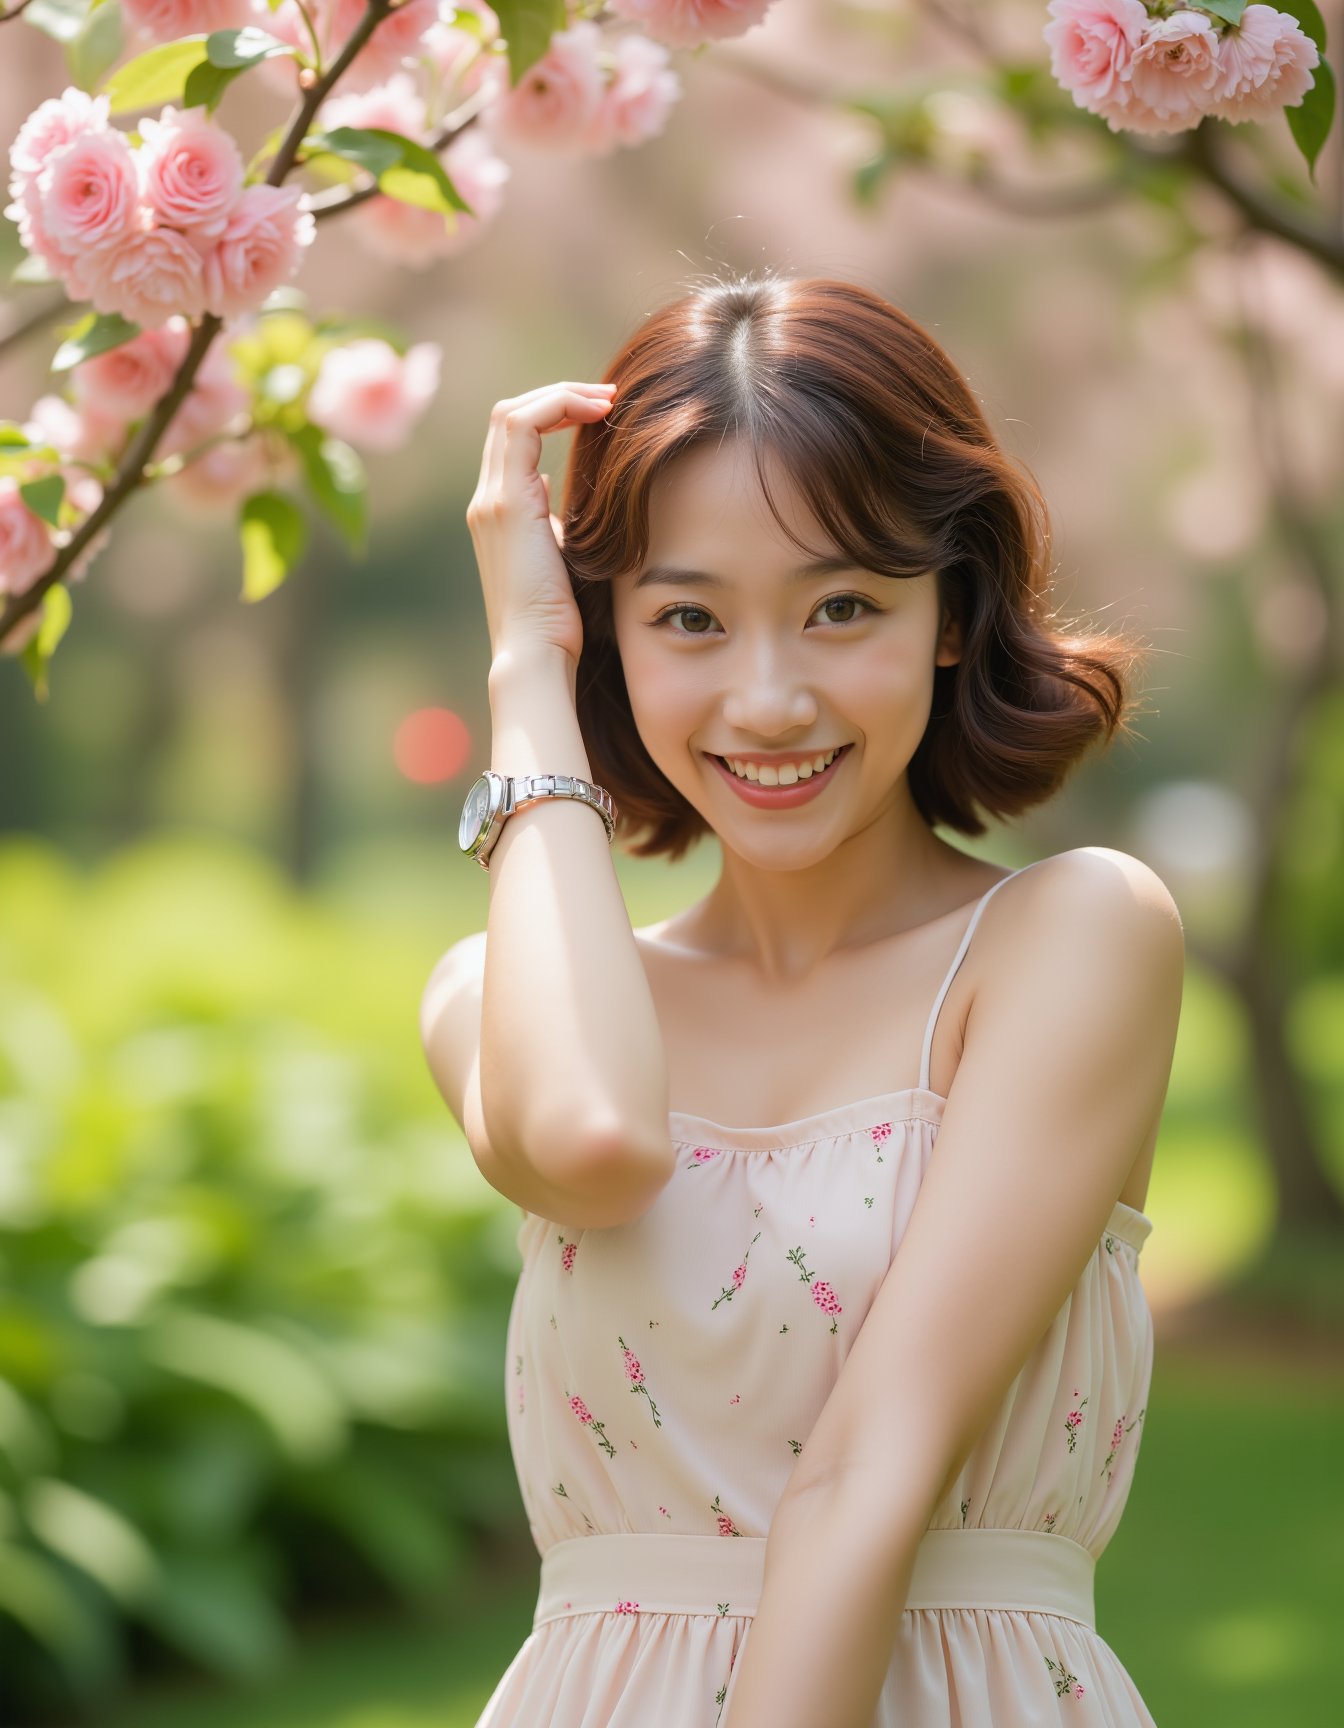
763	660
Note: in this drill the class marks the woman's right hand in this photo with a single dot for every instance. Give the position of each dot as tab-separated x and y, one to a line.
528	598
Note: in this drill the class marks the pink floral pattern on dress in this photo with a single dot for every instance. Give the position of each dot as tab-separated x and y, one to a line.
586	1416
822	1293
626	1608
702	1155
1065	1683
880	1135
635	1375
1073	1422
567	1252
728	1291
725	1523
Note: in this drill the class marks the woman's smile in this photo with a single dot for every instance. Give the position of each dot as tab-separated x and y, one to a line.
780	797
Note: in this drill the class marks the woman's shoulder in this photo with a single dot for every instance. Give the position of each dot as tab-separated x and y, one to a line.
1088	900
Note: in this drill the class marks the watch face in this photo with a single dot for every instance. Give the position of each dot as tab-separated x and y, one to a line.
475	814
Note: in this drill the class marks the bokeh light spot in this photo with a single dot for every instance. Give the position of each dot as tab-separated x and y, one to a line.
431	745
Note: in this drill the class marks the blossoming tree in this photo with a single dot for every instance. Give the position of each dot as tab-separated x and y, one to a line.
195	367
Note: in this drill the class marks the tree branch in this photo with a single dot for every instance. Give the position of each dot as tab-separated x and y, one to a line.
1317	239
339	198
130	473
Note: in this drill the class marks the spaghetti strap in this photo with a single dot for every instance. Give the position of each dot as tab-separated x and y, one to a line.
957	959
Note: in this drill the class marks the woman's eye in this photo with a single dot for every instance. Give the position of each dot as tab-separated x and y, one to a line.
682	608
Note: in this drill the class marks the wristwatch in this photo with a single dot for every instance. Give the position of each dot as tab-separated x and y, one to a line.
495	797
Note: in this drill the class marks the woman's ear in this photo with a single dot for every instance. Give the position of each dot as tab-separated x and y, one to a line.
949	641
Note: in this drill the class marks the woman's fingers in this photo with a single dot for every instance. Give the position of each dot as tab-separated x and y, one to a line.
565	404
520	444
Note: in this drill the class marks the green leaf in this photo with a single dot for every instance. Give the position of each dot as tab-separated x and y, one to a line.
13	436
158	75
239	49
56	613
43	497
97	47
206	84
1310	121
273	534
527	26
336	478
403	169
1308	15
1231	10
62	20
95	333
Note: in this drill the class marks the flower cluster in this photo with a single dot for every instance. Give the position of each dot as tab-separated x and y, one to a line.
166	228
1157	68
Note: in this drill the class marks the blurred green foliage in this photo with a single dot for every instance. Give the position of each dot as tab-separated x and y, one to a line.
252	1289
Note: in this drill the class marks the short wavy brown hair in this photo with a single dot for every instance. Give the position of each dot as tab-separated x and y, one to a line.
887	444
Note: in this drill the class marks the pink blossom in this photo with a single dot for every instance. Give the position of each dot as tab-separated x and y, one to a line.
687	23
726	1525
368	394
1172	74
51	125
1091	45
214	400
739	1273
167	20
395	42
627	1608
638	97
396	104
824	1297
554	104
82	432
406	234
1264	64
149	276
25	540
458	55
581	1410
223	475
633	1370
567	1254
191	171
89	192
703	1154
124	383
261	248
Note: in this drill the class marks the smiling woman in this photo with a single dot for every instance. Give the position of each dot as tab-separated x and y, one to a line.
806	1262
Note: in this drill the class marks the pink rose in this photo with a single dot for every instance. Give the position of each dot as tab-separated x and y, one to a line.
638	98
220	477
148	277
405	234
687	23
1172	74
191	172
167	20
80	432
457	54
396	105
260	248
51	125
1264	64
89	193
214	400
124	383
395	40
25	540
1091	45
553	105
368	394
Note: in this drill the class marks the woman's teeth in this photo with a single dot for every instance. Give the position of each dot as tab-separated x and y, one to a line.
788	775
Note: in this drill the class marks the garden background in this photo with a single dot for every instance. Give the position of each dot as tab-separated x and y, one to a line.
253	1462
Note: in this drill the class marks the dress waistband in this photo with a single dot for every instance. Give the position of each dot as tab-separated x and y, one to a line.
1033	1571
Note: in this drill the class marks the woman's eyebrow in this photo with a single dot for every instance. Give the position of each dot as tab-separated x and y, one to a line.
672	576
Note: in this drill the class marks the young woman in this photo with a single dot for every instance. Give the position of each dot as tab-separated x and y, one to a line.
829	1357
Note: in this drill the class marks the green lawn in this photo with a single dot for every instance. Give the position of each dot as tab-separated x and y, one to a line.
1220	1592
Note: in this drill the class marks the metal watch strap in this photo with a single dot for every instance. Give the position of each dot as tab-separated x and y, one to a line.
524	789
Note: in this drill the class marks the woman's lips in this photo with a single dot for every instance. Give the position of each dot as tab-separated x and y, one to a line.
780	797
